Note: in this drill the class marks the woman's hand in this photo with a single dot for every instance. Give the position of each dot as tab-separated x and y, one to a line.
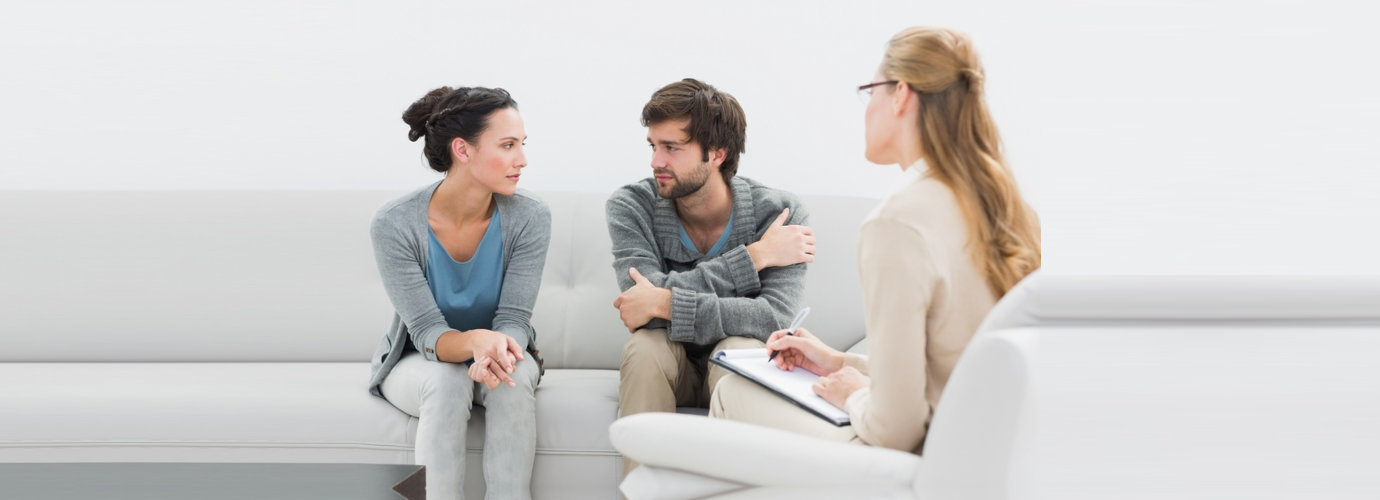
486	371
836	387
494	353
805	350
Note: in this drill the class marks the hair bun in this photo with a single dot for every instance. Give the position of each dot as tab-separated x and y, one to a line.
419	115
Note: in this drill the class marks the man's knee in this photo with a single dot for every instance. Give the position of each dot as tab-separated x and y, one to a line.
645	349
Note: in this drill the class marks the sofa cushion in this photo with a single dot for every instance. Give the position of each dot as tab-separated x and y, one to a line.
574	410
209	412
255	412
190	276
258	276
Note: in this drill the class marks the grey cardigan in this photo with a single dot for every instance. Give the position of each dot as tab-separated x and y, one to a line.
711	298
399	233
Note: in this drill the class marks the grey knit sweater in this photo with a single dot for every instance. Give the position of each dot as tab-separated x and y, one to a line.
399	233
715	297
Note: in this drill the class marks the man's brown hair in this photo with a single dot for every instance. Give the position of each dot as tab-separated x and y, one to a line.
716	119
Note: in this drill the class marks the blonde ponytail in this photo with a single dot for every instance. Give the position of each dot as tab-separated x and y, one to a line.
963	149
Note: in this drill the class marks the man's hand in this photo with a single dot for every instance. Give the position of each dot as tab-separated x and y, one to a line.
783	245
836	387
642	302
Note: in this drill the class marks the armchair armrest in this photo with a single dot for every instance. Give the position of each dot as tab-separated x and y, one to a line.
753	455
815	493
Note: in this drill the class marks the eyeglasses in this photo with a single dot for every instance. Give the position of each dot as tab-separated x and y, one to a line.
865	91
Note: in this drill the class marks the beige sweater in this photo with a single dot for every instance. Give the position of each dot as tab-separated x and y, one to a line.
924	299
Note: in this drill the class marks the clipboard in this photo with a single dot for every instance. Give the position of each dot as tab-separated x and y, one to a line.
794	385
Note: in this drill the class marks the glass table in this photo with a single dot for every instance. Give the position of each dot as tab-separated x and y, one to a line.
64	481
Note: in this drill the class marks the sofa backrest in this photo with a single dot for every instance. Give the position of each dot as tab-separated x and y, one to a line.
290	276
1184	386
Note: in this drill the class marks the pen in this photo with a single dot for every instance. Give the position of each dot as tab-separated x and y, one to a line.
795	323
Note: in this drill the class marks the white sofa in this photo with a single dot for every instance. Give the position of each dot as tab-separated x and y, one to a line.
1094	387
236	326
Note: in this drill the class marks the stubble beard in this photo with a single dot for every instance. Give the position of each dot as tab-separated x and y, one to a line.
690	185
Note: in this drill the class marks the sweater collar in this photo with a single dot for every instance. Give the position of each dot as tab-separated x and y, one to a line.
666	222
914	173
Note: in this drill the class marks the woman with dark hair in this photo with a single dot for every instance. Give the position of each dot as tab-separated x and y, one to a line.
950	239
461	260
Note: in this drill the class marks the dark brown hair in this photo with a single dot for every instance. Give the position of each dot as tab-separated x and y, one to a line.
446	113
716	119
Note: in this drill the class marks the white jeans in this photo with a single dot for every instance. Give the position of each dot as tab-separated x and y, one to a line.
440	395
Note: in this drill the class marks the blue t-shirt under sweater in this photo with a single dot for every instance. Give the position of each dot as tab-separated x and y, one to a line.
467	292
718	247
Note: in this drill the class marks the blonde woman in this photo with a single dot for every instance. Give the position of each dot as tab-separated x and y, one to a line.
948	241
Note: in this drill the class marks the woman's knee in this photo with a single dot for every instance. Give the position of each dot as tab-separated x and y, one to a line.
525	377
737	342
526	374
448	384
727	395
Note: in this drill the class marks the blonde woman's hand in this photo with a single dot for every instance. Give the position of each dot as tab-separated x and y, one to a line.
836	387
805	350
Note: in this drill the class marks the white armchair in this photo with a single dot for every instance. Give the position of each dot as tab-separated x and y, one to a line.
1093	387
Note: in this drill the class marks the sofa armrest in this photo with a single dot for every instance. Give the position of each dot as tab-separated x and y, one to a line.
858	348
752	455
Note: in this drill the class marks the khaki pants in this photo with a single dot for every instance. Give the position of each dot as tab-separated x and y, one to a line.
658	374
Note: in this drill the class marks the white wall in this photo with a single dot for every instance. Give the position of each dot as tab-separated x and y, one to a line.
1152	136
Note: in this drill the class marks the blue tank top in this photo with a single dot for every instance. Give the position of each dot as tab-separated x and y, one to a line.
467	292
